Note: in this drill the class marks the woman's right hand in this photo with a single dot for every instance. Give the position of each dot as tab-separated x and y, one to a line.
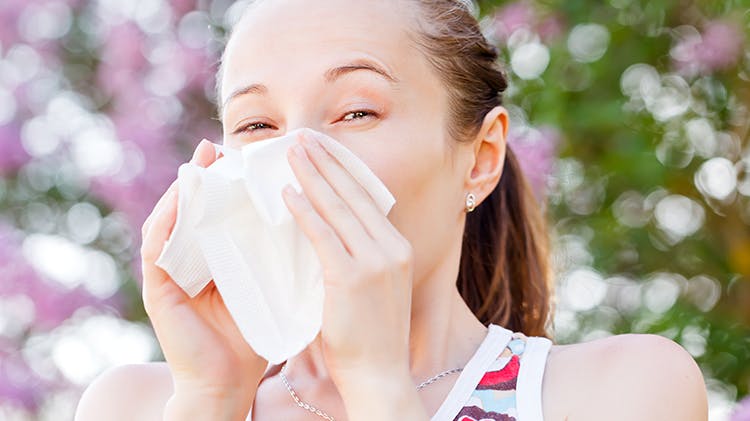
211	363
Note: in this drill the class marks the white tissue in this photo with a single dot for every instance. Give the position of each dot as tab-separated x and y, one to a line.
233	227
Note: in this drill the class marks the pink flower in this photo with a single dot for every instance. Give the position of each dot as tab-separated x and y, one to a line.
19	385
551	28
10	11
53	303
742	410
520	14
535	150
123	62
12	153
511	17
198	66
718	47
181	7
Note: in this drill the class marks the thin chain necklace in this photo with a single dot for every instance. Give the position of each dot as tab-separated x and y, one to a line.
330	418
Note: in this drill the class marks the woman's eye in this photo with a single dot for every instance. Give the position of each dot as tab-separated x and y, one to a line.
353	115
359	114
250	127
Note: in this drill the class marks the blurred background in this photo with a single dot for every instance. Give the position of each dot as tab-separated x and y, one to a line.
630	117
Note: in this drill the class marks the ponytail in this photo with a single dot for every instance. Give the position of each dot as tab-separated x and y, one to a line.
504	271
504	274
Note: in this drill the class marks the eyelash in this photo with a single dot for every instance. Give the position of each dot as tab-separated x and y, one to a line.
246	127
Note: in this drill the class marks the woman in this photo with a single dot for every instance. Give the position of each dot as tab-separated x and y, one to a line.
457	266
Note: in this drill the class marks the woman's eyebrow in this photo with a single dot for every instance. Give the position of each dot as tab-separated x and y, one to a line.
330	76
362	64
255	88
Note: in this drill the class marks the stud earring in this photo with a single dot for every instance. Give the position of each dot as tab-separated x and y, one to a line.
470	202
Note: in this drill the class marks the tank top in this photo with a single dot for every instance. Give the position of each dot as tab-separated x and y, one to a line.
502	381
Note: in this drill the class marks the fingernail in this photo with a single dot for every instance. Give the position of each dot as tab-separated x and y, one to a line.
197	149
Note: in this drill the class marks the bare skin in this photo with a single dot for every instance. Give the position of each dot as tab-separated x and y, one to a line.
580	384
287	45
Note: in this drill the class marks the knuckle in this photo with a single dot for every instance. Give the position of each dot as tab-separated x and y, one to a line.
403	251
323	235
153	297
339	209
150	308
144	251
403	254
376	264
326	232
406	249
149	253
148	305
360	199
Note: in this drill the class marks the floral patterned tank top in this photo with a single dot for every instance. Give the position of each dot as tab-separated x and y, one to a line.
501	382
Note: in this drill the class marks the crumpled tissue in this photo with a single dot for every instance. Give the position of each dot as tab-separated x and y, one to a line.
234	228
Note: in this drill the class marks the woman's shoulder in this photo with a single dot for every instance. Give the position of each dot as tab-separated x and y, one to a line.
130	391
622	377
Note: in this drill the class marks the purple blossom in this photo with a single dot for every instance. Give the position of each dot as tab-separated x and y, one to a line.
511	17
10	11
197	65
551	28
535	149
12	153
182	7
156	168
742	410
121	76
53	303
719	47
123	62
520	14
19	385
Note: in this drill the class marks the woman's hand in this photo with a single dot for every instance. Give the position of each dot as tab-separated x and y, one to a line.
368	272
209	359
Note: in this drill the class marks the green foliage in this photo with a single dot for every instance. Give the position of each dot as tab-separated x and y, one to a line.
620	160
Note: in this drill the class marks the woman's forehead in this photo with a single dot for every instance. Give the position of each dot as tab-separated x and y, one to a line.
311	37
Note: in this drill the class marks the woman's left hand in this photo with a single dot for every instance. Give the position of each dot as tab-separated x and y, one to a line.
367	269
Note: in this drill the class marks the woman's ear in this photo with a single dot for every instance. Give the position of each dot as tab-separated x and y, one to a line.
488	154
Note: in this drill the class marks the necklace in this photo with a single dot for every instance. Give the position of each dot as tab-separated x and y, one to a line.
330	418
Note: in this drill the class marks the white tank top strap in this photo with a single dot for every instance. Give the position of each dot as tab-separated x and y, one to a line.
496	340
530	376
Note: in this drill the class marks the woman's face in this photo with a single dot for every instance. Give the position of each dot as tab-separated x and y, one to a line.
347	69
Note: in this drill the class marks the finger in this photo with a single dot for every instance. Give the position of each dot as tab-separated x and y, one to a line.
147	223
158	233
204	155
154	278
348	188
324	239
327	202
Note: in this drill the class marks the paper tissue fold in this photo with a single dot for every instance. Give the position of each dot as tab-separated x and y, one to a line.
234	228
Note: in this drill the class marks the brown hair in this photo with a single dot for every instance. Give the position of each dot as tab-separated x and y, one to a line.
505	275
